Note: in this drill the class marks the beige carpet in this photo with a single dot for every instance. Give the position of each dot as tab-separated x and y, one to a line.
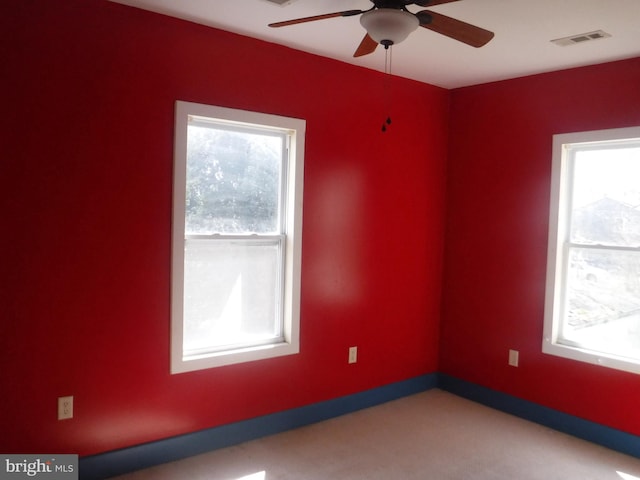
431	435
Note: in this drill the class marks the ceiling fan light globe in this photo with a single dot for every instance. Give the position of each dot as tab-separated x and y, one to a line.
389	26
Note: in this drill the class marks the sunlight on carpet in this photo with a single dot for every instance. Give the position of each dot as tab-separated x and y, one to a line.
626	476
256	476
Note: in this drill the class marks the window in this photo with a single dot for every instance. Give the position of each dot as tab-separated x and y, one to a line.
237	215
592	308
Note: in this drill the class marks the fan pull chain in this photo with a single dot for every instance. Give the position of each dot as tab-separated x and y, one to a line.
387	84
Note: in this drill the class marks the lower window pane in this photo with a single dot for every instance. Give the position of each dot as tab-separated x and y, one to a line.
603	302
231	292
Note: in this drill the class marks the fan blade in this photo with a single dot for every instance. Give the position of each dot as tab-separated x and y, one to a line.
456	29
367	46
346	13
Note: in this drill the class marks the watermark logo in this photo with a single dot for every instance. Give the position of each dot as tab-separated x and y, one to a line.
39	467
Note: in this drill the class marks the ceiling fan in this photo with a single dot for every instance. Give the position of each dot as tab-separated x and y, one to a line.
389	22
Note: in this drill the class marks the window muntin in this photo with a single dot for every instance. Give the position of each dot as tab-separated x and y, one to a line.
593	282
236	236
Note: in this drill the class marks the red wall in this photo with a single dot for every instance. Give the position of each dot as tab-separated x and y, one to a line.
87	140
496	242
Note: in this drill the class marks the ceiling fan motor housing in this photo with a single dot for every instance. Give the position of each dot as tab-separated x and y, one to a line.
399	4
389	26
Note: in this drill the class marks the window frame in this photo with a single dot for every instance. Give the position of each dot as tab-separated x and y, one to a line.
559	246
291	238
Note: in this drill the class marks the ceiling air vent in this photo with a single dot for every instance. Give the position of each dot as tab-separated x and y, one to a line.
581	38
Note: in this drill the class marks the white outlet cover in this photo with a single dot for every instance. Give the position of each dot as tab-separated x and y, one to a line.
353	354
513	357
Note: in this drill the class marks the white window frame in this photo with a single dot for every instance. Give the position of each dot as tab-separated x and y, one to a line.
558	238
291	253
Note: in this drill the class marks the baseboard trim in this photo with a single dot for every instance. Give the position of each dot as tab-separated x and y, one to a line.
593	432
118	462
110	464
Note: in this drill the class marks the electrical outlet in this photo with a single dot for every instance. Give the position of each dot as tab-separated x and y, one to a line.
65	408
353	354
514	357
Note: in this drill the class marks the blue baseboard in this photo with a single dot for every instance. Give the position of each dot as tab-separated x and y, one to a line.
593	432
110	464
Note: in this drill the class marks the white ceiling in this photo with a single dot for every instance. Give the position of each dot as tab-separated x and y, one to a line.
521	46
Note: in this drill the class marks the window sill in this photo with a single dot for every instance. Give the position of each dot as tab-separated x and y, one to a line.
590	356
230	357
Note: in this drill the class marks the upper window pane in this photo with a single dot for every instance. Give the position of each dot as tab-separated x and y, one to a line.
606	197
233	180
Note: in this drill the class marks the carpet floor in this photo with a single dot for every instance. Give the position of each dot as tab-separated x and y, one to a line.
431	435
